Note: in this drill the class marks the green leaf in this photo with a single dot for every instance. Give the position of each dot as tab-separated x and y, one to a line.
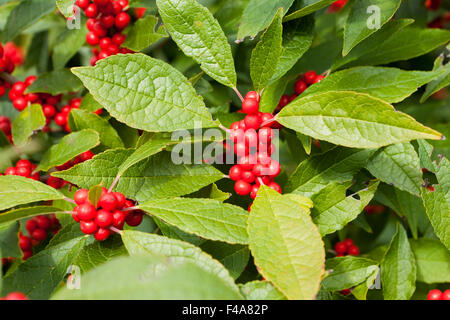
16	190
441	82
98	253
234	257
207	218
94	194
68	148
39	275
337	165
398	268
347	272
82	119
200	36
357	29
271	95
266	54
156	177
29	120
149	277
297	39
433	260
139	243
388	84
158	97
25	14
65	7
398	165
333	210
437	203
55	82
308	7
21	213
286	244
9	241
144	33
352	119
175	233
258	14
89	103
68	44
260	290
404	44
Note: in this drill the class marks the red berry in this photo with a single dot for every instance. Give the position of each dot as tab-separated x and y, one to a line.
23	163
107	21
134	219
248	176
92	38
20	103
85	156
123	3
434	294
340	248
242	188
118	219
265	135
61	119
254	191
39	235
27	254
86	211
252	95
23	172
90	24
252	121
250	106
235	173
247	162
120	199
300	86
349	242
11	171
310	76
43	222
122	20
24	243
102	234
82	3
91	11
16	296
49	111
19	88
104	218
108	202
345	292
353	251
446	295
275	186
99	30
118	38
274	168
88	227
81	196
29	80
31	225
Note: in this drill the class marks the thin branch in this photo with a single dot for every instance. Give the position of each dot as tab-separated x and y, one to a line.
239	94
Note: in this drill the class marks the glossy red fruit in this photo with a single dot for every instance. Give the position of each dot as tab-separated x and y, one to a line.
91	11
310	76
252	121
88	155
31	225
27	254
20	103
43	222
16	296
318	79
235	172
102	234
122	20
446	295
23	172
107	21
104	218
88	227
248	162
300	86
90	23
19	88
275	186
108	202
241	149
252	95
120	199
11	171
248	176
39	235
265	135
92	38
250	106
434	294
118	38
86	211
340	248
48	110
82	3
25	243
348	242
353	251
254	191
242	188
81	196
274	168
118	219
134	219
99	30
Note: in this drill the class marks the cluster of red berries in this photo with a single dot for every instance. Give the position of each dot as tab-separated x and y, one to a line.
308	79
337	6
106	20
252	140
346	247
23	168
374	209
58	183
10	56
110	213
38	228
5	127
433	5
436	294
15	296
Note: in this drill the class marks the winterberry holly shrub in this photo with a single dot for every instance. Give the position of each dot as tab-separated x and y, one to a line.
209	149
